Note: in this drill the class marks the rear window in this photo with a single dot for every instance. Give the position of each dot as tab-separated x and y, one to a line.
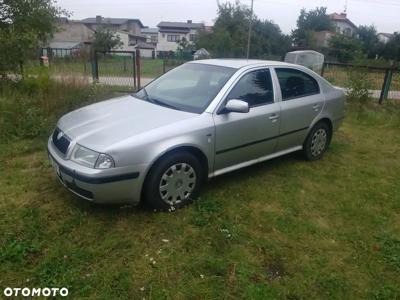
296	84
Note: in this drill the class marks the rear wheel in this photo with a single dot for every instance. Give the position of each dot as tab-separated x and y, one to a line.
317	141
174	181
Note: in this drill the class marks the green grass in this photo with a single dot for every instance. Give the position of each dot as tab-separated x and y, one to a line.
284	229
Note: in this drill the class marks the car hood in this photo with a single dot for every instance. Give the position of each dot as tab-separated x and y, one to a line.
100	125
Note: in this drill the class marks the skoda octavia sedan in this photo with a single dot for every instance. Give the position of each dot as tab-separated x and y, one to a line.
200	120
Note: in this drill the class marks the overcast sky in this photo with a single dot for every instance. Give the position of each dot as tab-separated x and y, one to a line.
384	14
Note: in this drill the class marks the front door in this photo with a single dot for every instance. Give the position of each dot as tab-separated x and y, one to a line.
241	137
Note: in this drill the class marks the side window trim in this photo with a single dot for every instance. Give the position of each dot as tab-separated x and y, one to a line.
295	97
248	72
275	85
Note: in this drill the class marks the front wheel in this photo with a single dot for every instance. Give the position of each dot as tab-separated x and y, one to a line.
173	182
317	141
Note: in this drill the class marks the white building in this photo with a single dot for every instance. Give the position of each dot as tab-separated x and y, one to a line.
384	37
131	42
170	33
151	35
343	25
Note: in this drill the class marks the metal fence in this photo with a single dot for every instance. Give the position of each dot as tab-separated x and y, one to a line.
128	70
383	82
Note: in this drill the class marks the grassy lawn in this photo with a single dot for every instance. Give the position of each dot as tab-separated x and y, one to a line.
284	229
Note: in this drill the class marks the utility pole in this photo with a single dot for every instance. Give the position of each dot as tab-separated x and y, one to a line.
249	34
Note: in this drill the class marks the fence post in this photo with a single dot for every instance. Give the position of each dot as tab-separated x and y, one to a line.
95	67
134	69
163	66
386	84
323	69
138	67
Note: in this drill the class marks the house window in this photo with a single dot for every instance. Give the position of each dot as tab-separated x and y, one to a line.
172	37
154	39
192	37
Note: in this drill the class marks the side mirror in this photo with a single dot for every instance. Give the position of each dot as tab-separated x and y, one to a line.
236	105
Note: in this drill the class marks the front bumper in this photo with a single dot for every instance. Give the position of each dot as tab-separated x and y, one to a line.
115	185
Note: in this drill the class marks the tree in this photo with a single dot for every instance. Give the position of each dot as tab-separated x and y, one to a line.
230	31
24	26
369	40
344	48
308	23
105	39
390	50
184	48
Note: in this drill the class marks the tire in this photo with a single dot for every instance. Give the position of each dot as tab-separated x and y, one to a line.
317	141
183	187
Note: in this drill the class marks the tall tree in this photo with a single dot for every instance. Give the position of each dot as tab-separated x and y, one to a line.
391	50
309	22
105	39
369	40
24	25
229	35
345	48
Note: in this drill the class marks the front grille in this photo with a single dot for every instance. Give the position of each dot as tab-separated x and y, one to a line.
62	142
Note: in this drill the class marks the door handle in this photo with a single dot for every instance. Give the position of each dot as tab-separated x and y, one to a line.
315	107
274	117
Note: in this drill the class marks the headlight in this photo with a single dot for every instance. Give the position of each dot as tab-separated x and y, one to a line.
104	162
90	158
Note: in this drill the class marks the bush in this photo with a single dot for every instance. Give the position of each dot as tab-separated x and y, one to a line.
30	107
358	86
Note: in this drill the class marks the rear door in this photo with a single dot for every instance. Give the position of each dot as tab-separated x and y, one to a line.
301	102
241	137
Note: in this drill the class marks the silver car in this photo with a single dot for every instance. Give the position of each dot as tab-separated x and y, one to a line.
200	120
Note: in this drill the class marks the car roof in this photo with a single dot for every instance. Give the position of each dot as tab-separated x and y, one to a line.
241	63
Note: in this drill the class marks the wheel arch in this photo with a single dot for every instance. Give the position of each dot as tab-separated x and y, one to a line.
324	119
196	151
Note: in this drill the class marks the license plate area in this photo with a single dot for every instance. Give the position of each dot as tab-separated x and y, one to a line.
55	165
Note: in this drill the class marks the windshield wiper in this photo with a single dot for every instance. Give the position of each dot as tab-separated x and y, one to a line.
159	102
145	96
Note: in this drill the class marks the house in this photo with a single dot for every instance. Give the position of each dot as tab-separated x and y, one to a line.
151	35
133	26
131	42
384	37
170	33
75	35
70	37
341	25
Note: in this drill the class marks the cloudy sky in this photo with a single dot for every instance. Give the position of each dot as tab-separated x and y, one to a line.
384	14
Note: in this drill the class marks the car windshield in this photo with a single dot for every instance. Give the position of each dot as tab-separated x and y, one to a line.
190	87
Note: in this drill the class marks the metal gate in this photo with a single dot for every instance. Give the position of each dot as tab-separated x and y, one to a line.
118	68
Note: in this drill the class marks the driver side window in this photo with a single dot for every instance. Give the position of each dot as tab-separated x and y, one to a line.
255	88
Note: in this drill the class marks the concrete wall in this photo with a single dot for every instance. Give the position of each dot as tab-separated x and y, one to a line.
344	28
73	32
125	42
131	26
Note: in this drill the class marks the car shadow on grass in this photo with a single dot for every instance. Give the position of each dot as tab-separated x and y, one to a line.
221	182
